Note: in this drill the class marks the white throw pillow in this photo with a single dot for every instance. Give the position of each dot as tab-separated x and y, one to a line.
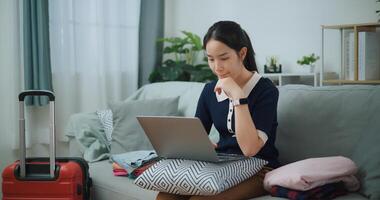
188	177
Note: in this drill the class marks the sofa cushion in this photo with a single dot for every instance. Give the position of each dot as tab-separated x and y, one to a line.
367	157
323	121
127	133
189	177
188	93
367	152
107	186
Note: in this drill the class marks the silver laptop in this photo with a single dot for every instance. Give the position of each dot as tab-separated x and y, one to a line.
181	137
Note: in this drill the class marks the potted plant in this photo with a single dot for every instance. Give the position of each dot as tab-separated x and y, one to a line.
182	60
308	60
272	65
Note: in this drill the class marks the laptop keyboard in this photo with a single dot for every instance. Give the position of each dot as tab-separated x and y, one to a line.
229	157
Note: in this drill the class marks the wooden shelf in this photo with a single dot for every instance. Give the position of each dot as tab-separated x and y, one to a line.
356	28
288	74
352	81
343	26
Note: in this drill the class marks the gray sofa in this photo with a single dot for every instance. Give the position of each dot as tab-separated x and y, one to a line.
313	122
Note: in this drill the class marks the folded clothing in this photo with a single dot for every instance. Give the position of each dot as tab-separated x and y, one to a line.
324	192
118	170
138	171
313	172
133	164
134	159
116	166
120	173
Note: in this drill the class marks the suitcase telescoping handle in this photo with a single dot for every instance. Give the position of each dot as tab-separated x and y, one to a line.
21	98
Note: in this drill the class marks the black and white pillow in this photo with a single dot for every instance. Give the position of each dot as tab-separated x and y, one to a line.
105	117
187	177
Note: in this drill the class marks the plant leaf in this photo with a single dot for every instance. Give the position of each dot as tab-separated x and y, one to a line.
182	68
195	40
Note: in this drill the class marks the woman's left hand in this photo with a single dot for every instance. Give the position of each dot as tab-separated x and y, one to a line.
230	87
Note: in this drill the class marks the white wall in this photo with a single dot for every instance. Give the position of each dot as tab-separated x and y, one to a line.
286	28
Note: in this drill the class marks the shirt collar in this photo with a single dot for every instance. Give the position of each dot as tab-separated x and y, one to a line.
248	87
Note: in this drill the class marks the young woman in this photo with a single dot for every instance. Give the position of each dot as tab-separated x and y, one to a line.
242	105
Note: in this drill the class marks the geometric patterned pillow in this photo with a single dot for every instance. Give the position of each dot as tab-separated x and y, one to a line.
189	177
106	119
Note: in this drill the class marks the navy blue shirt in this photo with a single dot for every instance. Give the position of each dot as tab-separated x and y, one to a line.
262	104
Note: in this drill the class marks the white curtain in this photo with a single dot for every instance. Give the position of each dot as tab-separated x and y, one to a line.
12	83
10	79
94	50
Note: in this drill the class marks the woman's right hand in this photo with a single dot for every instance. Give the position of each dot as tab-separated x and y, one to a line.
230	87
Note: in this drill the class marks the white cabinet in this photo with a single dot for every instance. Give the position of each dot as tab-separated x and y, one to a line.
281	79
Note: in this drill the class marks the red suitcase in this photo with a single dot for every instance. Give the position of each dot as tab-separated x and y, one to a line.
45	178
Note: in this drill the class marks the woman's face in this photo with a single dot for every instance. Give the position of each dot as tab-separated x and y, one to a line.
224	61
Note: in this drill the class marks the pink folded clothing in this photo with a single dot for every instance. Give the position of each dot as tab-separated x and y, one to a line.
313	172
118	171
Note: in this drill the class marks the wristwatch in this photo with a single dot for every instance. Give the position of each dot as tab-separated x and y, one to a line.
237	102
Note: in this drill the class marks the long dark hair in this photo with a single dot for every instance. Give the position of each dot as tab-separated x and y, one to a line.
231	34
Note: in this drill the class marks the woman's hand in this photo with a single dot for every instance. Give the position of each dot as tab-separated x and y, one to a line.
230	87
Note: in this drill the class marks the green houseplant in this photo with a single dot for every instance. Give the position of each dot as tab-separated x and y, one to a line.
181	64
308	60
272	65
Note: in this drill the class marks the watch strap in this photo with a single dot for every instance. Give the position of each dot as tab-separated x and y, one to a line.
241	101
